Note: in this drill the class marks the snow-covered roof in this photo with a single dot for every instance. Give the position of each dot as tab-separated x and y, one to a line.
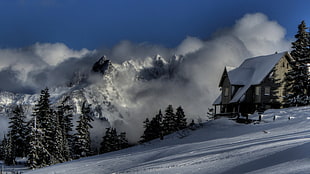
254	70
251	72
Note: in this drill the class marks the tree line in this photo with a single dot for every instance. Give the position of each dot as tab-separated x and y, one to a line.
161	125
48	138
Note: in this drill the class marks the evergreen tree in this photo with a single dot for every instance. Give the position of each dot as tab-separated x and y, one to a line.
146	134
46	131
107	141
153	128
180	122
33	155
112	141
156	126
35	159
301	46
18	132
82	137
64	116
35	151
42	111
298	92
122	141
162	125
9	158
28	135
169	121
57	147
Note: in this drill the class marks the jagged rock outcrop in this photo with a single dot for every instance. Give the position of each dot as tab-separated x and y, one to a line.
103	65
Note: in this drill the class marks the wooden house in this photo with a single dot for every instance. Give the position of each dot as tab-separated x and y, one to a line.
256	85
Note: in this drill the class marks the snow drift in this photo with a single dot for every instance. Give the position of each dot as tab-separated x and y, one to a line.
221	146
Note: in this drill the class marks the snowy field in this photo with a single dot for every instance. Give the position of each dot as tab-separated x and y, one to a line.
221	146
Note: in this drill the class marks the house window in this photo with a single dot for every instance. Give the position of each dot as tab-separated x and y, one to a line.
267	90
226	92
257	90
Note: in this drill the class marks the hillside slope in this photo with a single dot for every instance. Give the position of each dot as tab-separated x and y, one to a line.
221	146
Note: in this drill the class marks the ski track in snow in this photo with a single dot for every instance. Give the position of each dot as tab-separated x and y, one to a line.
221	146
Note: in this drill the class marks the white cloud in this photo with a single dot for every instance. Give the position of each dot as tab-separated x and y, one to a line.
33	60
56	53
189	45
260	35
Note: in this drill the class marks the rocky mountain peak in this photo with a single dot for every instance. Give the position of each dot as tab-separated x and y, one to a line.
103	65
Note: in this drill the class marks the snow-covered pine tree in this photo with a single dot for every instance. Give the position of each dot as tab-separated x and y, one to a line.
36	149
28	136
57	147
298	90
17	132
33	157
82	137
9	158
45	123
169	121
300	47
38	155
64	114
180	121
42	110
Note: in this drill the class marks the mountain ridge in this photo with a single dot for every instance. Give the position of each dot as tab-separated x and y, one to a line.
107	87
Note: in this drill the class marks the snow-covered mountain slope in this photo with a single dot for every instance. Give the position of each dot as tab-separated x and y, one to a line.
110	88
221	146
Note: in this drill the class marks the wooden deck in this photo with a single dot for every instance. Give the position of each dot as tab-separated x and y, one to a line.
228	114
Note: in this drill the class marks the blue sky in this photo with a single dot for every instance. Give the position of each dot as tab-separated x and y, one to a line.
103	23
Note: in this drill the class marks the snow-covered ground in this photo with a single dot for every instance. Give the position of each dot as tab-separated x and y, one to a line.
221	146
